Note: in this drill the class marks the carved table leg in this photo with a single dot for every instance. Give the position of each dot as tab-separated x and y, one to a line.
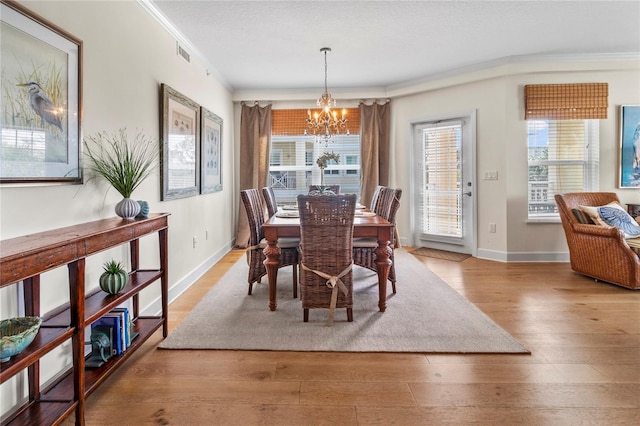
383	265
272	261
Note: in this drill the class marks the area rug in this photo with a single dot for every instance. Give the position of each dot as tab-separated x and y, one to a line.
440	254
426	315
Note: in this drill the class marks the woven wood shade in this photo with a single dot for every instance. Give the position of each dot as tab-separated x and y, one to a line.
580	101
293	121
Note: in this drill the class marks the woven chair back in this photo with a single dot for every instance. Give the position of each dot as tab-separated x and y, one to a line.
326	243
375	197
270	200
254	207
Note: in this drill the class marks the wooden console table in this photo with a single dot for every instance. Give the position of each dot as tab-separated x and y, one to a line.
633	210
26	258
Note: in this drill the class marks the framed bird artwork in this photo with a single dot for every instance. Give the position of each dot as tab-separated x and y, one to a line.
41	99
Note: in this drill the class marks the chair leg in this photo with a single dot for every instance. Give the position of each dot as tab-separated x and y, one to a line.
349	314
250	288
295	281
306	315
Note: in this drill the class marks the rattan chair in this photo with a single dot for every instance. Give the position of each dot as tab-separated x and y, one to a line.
326	230
374	198
324	189
386	206
270	200
594	250
254	207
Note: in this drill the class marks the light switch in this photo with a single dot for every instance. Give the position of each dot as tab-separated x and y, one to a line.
490	175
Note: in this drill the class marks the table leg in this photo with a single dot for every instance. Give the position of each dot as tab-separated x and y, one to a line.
272	262
383	265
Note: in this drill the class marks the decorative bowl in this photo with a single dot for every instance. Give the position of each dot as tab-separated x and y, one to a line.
16	334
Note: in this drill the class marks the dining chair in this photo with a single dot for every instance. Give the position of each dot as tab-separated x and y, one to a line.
270	200
254	207
324	189
374	198
386	206
326	247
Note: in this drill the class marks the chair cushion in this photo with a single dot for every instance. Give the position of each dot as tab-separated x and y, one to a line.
365	243
614	215
284	242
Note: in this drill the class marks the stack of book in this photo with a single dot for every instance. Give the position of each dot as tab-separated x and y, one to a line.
118	326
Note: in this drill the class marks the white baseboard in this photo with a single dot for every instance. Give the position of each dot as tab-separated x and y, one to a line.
514	257
155	308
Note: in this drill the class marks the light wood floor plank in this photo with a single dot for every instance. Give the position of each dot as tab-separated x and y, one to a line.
584	368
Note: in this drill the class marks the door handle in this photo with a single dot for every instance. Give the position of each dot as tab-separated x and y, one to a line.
467	193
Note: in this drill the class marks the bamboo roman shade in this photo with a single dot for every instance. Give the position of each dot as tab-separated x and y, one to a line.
579	101
292	122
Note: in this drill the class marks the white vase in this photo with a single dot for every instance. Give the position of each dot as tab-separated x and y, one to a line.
127	208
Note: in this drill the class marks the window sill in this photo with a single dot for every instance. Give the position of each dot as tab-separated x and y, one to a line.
539	220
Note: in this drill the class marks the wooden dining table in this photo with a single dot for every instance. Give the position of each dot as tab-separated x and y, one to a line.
363	227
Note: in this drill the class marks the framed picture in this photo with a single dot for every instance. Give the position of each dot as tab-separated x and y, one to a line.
211	152
180	145
629	146
41	89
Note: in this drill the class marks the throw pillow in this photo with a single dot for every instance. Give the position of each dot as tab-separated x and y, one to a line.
582	217
613	215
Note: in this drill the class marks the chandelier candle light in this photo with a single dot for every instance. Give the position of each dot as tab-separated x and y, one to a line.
325	124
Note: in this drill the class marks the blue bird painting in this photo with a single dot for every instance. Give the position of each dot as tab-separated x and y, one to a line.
42	105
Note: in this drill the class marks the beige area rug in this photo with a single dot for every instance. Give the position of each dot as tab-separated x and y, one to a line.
440	254
426	315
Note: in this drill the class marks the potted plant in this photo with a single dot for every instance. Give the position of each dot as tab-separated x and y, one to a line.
114	277
122	163
323	162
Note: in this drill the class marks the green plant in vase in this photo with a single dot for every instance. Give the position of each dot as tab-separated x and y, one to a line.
124	164
323	162
114	277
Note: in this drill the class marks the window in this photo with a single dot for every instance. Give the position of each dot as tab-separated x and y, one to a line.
293	157
562	157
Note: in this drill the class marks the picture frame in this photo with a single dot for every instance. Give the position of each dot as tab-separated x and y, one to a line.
180	141
210	152
629	170
41	89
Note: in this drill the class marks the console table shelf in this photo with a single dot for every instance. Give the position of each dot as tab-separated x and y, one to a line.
26	258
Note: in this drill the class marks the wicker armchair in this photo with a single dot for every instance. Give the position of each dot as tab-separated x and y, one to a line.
326	230
594	250
270	200
252	201
386	206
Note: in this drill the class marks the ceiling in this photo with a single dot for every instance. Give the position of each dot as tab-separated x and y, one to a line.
275	45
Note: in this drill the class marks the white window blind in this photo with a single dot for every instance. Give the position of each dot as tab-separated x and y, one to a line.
563	157
441	206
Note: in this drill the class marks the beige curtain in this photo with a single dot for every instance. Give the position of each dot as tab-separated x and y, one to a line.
255	143
375	127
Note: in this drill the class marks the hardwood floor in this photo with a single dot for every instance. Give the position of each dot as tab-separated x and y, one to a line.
584	367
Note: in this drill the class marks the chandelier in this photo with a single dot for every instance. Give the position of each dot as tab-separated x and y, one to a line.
325	124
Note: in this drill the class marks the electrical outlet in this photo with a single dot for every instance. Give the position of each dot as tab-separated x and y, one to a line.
490	175
492	228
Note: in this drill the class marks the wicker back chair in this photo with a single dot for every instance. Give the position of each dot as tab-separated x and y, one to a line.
387	205
324	189
326	230
597	251
375	197
270	200
252	201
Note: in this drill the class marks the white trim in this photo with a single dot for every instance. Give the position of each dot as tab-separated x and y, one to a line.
155	307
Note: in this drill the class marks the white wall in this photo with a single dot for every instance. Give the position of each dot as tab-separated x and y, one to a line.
497	95
127	55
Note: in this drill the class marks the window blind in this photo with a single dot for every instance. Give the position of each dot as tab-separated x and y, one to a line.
292	122
566	101
563	157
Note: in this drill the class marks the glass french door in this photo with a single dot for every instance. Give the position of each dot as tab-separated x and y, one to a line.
444	185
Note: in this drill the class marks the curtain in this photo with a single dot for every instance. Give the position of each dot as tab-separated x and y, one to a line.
375	127
255	143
